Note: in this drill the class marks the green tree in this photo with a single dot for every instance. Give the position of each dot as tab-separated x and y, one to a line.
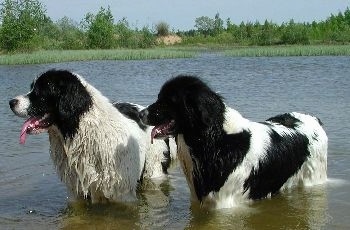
205	25
22	21
347	16
208	26
125	35
266	34
69	34
218	25
100	29
294	33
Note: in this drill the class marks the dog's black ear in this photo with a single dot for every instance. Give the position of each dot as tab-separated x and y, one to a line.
73	102
204	106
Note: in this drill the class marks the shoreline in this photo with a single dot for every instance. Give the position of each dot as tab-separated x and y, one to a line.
171	52
57	56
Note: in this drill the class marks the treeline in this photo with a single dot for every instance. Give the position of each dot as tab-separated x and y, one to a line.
335	29
26	27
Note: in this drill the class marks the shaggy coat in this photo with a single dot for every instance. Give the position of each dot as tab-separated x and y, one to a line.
228	159
98	151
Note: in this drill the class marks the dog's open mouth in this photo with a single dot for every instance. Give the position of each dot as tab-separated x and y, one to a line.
34	125
163	131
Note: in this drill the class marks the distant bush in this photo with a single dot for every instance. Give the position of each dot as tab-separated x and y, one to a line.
129	38
162	29
70	36
147	38
293	33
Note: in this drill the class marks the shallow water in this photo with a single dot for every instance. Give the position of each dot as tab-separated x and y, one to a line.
32	196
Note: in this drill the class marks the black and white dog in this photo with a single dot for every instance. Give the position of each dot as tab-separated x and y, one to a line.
228	159
98	150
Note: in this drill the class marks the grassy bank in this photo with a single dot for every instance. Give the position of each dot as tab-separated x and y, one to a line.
178	51
297	50
46	56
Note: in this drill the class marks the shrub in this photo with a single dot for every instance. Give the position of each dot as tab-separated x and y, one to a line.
294	33
162	29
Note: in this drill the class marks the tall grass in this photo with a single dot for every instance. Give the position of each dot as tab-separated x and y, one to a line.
46	56
309	50
54	56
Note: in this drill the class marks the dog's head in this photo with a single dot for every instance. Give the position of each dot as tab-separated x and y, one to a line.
185	104
56	97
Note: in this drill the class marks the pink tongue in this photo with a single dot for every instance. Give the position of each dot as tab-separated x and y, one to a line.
157	130
26	125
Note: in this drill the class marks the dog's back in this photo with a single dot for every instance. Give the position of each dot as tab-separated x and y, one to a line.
314	169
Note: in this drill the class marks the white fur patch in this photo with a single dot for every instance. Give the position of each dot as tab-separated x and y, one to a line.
22	106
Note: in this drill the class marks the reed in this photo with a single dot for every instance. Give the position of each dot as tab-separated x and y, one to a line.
54	56
271	51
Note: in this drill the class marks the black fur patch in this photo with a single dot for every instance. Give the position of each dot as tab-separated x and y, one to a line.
213	163
285	119
130	111
284	157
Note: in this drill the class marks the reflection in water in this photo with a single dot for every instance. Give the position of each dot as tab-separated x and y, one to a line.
80	215
152	210
305	208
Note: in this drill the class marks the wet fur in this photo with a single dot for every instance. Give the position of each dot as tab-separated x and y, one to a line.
98	151
228	159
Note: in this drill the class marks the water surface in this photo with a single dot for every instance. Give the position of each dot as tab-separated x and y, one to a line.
32	196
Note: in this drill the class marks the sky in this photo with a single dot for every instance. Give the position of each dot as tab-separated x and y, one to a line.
181	14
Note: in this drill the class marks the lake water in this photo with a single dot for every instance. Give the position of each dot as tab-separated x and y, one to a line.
32	196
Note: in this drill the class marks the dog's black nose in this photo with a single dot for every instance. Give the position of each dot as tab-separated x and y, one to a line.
13	103
143	116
